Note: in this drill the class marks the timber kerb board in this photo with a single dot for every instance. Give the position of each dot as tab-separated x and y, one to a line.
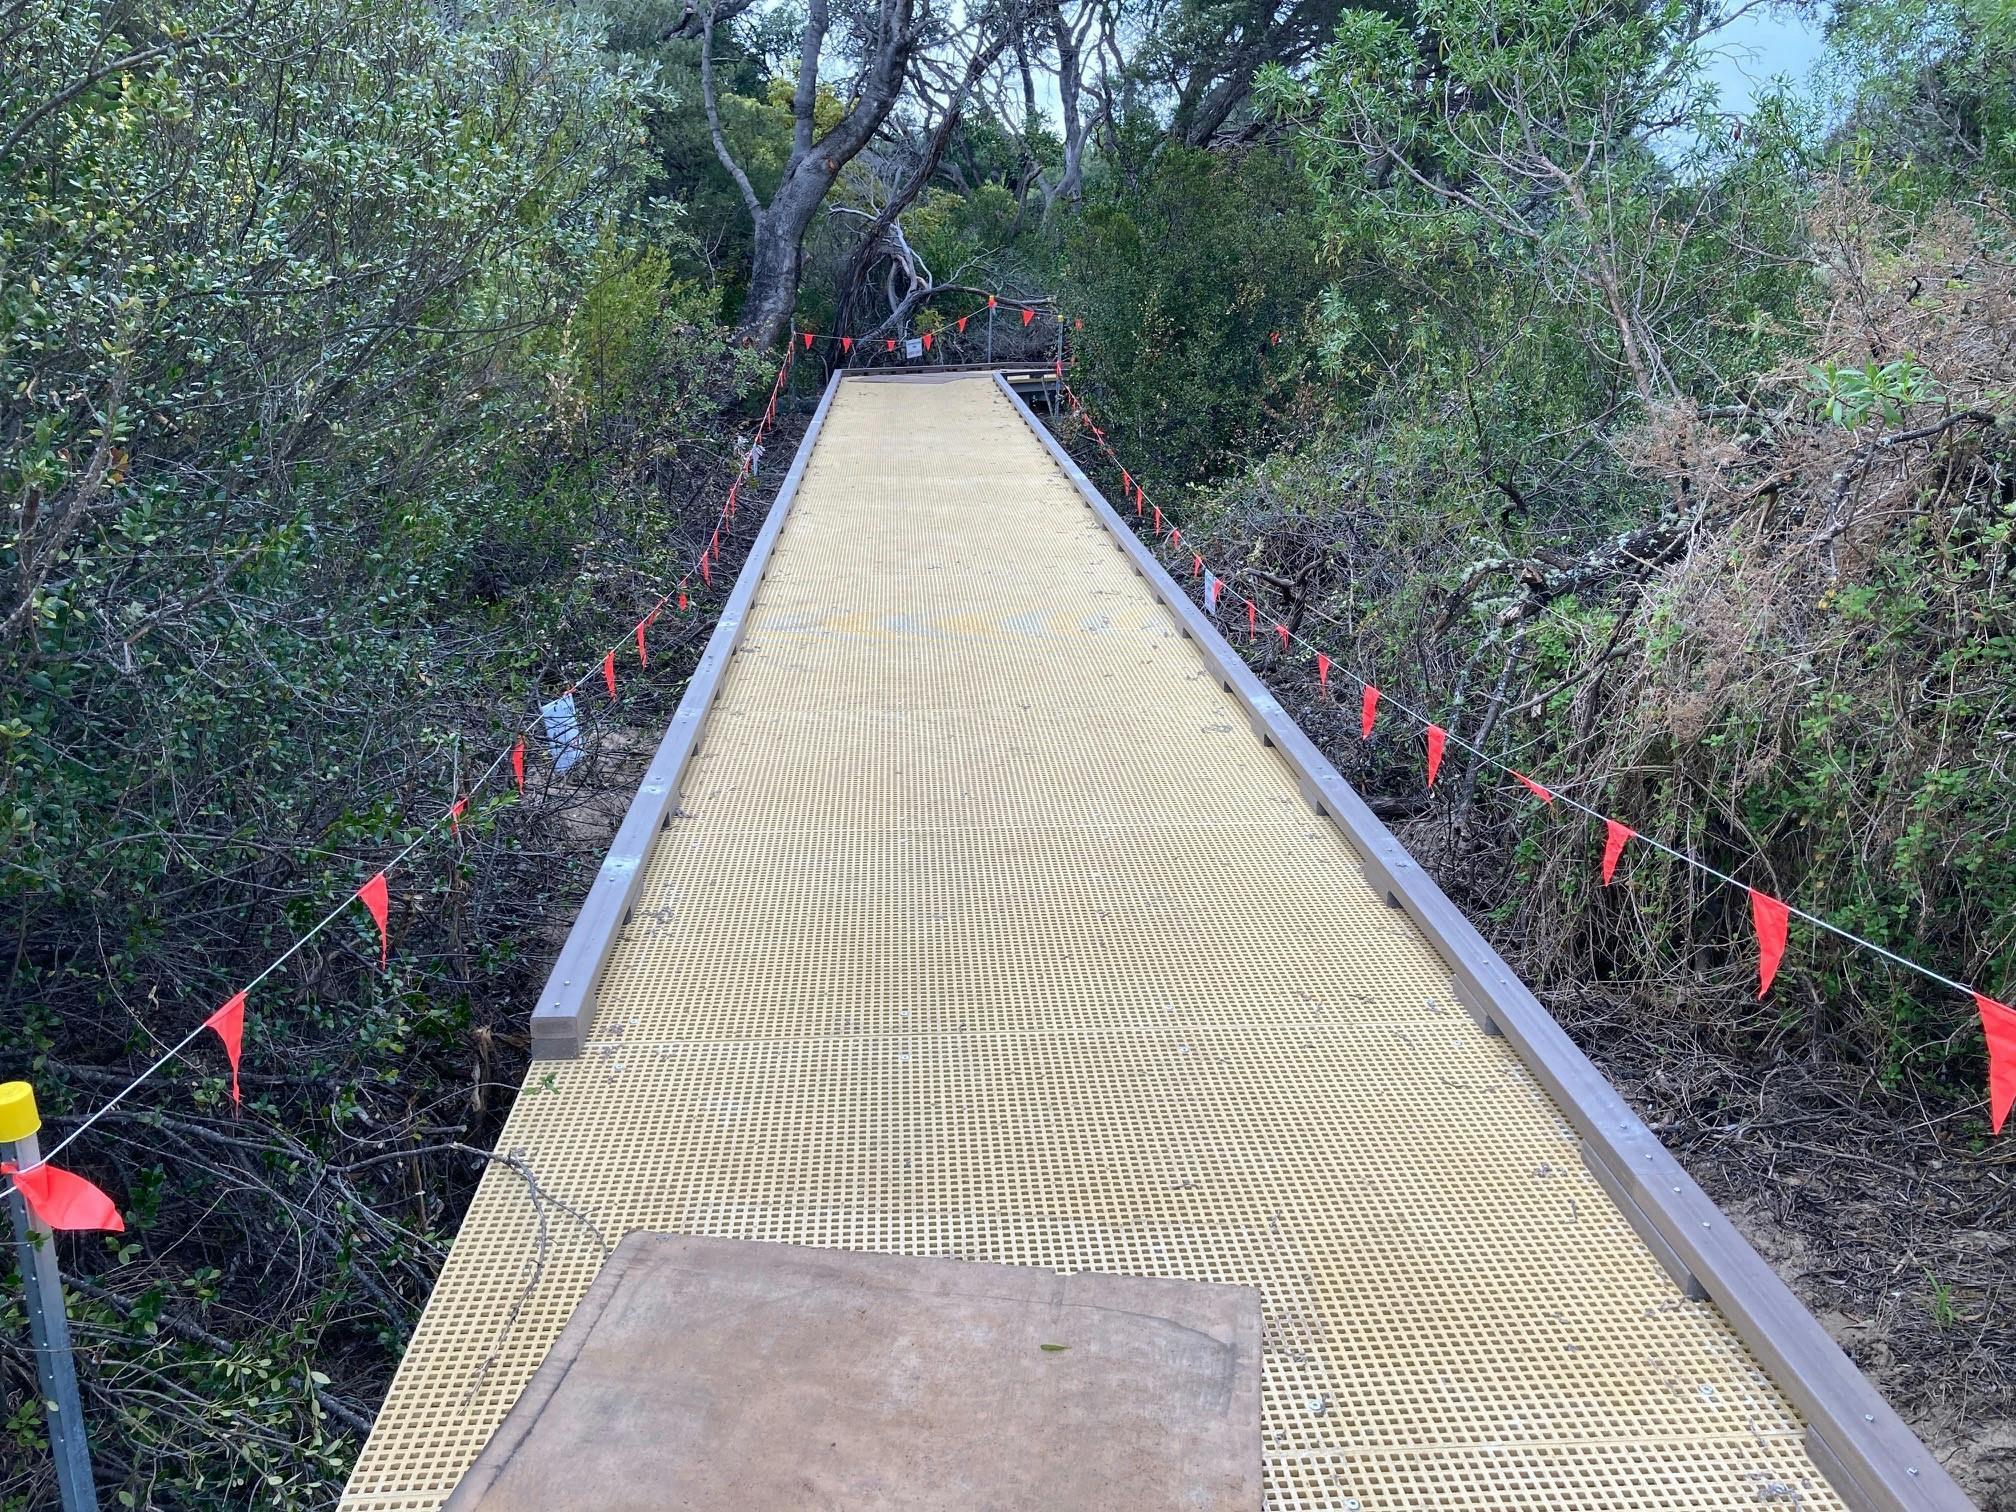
566	1006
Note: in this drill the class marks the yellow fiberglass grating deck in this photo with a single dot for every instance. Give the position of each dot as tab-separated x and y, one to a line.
987	928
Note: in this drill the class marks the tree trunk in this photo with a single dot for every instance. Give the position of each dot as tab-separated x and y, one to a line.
1070	84
773	276
813	166
934	154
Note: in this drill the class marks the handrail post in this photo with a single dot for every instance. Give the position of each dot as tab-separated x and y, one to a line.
1057	373
48	1324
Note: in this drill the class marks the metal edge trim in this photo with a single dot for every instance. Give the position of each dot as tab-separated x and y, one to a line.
566	1007
1874	1461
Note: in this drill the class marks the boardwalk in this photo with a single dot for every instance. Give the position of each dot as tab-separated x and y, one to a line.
987	927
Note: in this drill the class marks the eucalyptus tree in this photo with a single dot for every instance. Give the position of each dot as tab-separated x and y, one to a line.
1207	54
878	44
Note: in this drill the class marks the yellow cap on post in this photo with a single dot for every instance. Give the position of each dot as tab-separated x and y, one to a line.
18	1116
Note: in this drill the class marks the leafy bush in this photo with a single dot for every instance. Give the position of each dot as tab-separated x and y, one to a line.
1681	478
349	403
1186	275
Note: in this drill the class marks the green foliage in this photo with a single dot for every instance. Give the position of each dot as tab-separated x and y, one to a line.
1186	275
1777	636
1928	88
1570	157
1850	395
350	399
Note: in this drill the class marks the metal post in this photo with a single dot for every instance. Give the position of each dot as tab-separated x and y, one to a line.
48	1325
990	330
1057	371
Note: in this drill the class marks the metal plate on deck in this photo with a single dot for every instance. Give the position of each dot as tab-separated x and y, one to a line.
734	1375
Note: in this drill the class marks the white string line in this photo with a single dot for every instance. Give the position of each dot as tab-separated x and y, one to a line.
450	813
1489	760
271	966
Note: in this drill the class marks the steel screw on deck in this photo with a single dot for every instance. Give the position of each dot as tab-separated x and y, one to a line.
48	1325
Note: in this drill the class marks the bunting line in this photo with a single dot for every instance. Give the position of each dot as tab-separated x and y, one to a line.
1770	915
1028	308
227	1021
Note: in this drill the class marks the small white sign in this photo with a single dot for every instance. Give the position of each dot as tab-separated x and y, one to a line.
914	347
563	731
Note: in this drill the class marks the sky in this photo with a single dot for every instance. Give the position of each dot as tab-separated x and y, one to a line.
1767	42
1763	44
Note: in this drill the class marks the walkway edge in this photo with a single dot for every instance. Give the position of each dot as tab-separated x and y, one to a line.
566	1007
1874	1462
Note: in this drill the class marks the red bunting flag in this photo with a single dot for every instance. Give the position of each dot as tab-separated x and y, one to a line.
1534	788
682	595
927	341
1368	710
1126	483
846	343
1282	631
1614	837
1140	500
892	344
808	341
518	764
643	657
714	546
706	571
1058	367
1437	739
962	324
1196	566
1027	316
63	1200
1322	671
229	1024
1770	918
609	672
1175	538
1998	1023
377	900
1158	519
456	808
